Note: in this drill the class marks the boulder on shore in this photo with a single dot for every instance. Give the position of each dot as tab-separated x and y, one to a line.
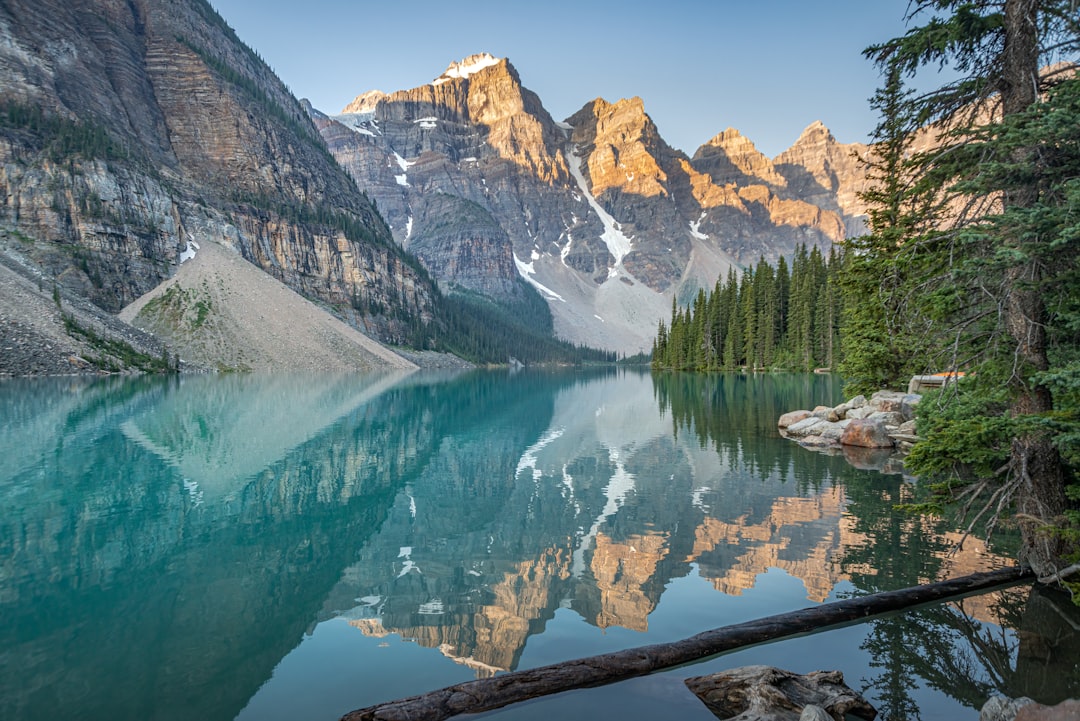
883	421
792	418
896	402
867	433
806	427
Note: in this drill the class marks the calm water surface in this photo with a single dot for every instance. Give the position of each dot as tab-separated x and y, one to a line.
273	547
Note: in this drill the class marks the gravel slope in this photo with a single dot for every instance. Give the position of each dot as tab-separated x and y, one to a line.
34	339
223	312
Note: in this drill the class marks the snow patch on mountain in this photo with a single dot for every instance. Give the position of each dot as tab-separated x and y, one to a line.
359	122
190	249
466	67
695	228
403	178
527	271
617	243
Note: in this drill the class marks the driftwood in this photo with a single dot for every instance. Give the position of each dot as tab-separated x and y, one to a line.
498	691
760	693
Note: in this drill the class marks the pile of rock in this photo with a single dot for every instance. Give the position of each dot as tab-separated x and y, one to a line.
884	421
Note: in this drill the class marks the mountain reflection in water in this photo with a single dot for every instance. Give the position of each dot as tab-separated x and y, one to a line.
282	547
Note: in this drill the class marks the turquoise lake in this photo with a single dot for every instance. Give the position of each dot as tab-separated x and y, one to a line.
296	547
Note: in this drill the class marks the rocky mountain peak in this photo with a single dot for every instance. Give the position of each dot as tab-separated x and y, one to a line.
621	147
598	213
827	173
727	137
467	66
731	157
815	134
365	102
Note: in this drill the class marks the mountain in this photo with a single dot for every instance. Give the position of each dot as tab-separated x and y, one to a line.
129	128
597	212
131	131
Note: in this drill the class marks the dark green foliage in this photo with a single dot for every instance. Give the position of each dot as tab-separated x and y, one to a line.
969	438
638	359
479	330
763	319
974	255
117	355
878	306
60	138
970	429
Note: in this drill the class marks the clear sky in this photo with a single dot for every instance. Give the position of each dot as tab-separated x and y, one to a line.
766	67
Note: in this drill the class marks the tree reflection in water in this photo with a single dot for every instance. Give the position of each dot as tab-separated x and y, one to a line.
1017	642
170	547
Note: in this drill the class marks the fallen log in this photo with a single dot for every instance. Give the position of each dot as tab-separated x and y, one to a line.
498	691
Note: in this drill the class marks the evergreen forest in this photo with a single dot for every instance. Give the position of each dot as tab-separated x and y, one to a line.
763	319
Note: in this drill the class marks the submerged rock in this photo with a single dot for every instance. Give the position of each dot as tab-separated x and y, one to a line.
1002	708
1068	710
764	693
872	459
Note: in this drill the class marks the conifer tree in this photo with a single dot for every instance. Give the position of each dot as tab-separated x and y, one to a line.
986	273
878	349
733	340
743	320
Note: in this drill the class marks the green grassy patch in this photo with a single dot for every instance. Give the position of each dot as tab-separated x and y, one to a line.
182	311
116	355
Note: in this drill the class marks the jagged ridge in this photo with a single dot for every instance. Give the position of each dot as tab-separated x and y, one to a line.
603	217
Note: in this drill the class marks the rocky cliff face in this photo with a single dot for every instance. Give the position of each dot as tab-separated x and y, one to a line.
130	127
828	174
474	134
732	158
602	216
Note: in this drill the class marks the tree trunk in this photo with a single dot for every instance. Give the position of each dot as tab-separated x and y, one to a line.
1034	458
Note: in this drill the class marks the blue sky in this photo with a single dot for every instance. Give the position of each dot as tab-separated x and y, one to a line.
766	67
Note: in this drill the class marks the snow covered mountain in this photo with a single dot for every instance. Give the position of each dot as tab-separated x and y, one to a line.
597	213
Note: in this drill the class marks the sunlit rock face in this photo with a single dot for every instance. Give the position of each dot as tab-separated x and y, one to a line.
603	217
732	158
182	132
474	134
829	174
